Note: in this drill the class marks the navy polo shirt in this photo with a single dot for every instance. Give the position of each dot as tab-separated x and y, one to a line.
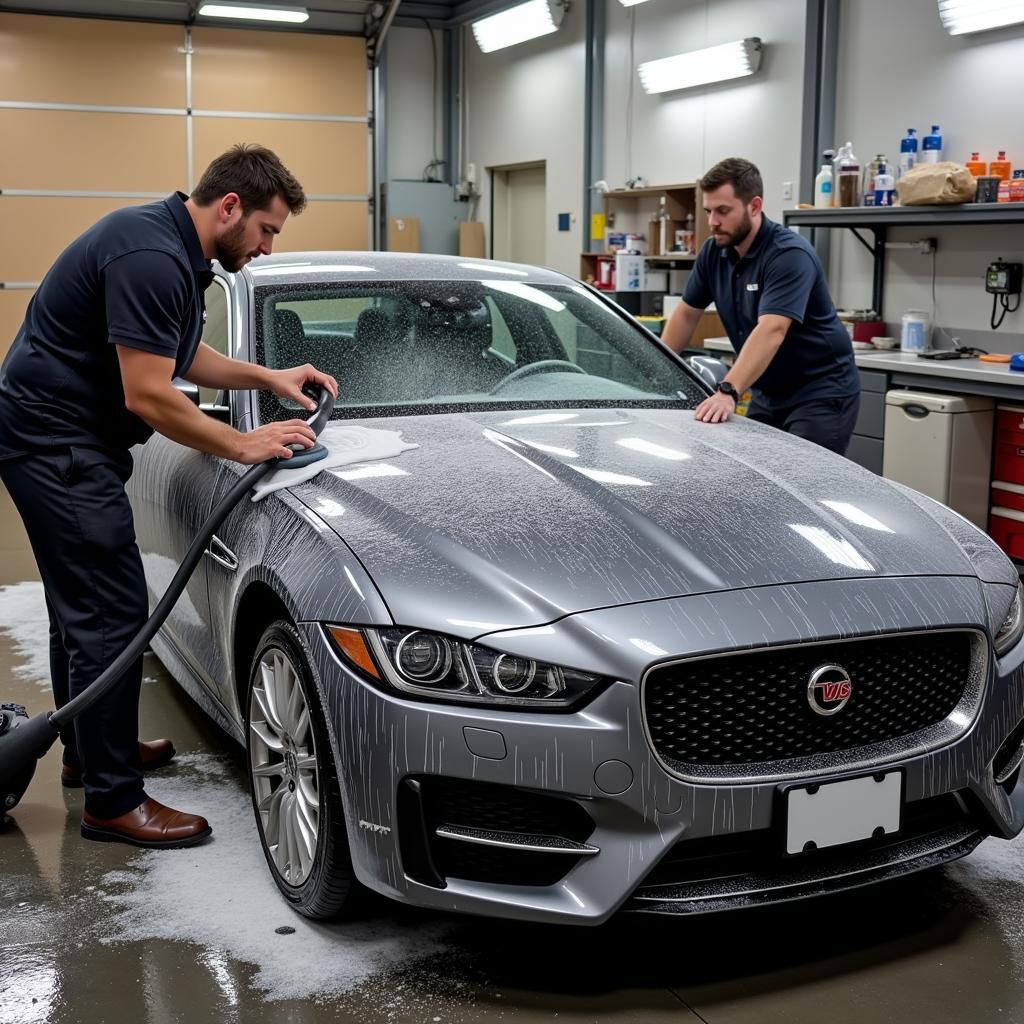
781	274
135	278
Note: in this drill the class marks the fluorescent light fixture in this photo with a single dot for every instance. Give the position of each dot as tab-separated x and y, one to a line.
962	16
295	15
517	24
631	3
699	67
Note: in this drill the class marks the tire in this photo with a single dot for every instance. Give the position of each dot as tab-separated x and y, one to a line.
293	780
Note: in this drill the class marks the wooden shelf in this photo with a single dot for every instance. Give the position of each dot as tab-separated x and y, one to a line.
674	257
647	190
634	211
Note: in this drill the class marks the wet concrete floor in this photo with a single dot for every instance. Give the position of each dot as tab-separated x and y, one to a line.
106	933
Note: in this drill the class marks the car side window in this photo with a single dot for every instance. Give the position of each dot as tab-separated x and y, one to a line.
216	329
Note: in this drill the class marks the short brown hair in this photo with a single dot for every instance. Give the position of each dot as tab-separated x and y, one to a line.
255	173
744	177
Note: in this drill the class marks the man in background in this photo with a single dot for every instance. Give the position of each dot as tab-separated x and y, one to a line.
769	288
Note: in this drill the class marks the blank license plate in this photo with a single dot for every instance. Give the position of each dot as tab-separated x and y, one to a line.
834	813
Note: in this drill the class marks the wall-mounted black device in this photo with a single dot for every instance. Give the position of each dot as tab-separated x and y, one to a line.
1001	281
1003	278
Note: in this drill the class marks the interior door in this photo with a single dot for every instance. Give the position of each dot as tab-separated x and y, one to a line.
520	214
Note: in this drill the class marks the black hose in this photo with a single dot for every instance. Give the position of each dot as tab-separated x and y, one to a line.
25	740
108	679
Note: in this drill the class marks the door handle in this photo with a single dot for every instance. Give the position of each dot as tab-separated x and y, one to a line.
221	554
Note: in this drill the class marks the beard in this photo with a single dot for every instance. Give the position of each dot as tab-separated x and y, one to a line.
231	250
736	237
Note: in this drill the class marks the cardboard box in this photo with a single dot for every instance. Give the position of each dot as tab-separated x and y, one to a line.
629	272
471	239
632	275
403	234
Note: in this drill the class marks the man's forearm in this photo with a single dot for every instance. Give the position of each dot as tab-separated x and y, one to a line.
680	326
755	357
170	413
210	369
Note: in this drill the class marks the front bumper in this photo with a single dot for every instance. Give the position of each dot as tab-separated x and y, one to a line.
392	754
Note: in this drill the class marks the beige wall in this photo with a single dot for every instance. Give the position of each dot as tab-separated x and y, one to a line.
296	78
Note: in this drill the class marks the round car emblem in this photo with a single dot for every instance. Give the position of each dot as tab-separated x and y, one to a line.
829	689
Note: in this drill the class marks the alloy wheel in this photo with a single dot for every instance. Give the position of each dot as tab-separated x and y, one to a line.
283	766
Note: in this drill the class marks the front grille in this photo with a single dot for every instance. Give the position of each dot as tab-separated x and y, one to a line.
749	709
489	808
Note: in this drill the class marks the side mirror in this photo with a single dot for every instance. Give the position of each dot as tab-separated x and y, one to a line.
710	370
188	389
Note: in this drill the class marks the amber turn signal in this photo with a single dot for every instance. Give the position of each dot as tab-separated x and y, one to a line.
353	646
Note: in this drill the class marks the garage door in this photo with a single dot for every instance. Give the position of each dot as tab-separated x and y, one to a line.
95	115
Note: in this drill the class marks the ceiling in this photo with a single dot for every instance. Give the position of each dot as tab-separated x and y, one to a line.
324	15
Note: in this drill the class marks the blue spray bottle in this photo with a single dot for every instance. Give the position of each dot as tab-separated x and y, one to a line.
908	151
931	151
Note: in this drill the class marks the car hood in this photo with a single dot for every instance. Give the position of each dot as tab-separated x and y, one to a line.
511	519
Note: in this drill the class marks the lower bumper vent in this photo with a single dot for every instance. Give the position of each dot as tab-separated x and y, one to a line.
482	832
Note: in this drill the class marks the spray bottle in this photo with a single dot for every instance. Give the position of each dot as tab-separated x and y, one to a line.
908	151
931	151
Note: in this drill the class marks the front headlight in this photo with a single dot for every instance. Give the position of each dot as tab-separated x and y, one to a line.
440	667
1012	628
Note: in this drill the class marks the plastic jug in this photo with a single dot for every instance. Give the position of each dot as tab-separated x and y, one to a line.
823	188
1000	167
976	166
915	331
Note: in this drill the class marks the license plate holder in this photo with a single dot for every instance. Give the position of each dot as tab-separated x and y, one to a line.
837	813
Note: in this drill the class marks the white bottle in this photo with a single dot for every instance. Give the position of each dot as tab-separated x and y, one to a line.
663	227
823	194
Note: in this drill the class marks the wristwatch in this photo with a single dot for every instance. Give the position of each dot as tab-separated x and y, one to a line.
727	389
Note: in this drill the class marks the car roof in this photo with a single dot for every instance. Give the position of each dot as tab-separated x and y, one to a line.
299	267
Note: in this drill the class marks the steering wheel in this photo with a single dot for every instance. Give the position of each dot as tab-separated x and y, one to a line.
542	366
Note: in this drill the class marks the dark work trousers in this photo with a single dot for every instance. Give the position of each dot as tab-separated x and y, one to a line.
825	421
79	523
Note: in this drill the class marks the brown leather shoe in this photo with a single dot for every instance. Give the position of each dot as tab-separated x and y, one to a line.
153	754
151	825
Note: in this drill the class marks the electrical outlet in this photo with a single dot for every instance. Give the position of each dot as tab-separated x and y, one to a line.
787	190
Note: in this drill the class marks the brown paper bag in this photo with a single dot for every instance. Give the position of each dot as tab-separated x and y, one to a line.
929	184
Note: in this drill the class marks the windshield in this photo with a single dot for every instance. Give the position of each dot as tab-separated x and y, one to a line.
401	347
